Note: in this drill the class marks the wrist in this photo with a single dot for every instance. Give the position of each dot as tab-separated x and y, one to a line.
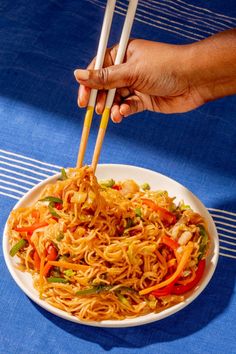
211	66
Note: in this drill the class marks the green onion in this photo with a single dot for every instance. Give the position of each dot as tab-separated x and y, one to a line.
69	273
52	211
204	241
109	183
145	187
51	200
60	236
122	299
138	212
129	223
18	246
63	175
94	290
57	280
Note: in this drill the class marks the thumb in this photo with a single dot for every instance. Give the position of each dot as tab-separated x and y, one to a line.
114	76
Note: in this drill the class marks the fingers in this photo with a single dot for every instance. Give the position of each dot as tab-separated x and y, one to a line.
129	106
115	76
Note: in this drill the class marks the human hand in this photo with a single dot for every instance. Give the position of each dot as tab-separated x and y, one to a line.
155	76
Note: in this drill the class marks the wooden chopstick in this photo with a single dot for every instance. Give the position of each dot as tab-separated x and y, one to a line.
111	93
106	26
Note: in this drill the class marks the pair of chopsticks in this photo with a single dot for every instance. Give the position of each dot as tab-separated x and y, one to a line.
111	93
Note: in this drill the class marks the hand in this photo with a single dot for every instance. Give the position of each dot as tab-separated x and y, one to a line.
159	77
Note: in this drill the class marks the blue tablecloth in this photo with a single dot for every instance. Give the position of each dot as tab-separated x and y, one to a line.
41	43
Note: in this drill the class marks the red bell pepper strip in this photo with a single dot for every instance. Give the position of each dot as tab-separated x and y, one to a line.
116	187
182	289
165	214
32	227
36	260
51	256
169	242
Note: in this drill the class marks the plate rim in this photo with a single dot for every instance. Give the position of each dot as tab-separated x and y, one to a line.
128	322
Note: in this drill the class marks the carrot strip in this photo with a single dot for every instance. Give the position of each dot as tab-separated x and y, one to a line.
68	265
182	264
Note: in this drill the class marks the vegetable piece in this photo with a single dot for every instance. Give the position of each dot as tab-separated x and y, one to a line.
68	265
129	223
94	290
109	183
204	241
63	175
182	289
170	242
17	247
138	212
165	291
36	260
51	199
51	256
69	273
182	264
117	187
164	214
123	299
52	211
145	186
31	228
57	280
60	237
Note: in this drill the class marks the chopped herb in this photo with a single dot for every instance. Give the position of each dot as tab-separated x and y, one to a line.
63	175
129	223
60	236
138	212
69	273
57	280
52	211
108	184
145	187
51	200
204	241
18	246
95	290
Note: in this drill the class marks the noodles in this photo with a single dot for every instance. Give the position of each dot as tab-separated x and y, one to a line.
108	250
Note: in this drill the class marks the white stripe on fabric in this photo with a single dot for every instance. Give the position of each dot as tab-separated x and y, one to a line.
225	224
183	15
12	190
27	164
9	195
227	255
223	217
14	184
24	169
223	229
190	16
228	242
30	159
21	174
17	179
209	12
227	249
159	18
222	211
226	236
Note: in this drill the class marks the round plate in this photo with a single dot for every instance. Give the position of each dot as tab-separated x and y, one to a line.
157	181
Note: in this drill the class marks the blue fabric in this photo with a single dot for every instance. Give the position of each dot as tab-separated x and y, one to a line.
41	43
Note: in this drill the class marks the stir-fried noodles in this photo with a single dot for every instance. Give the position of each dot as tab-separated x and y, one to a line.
108	250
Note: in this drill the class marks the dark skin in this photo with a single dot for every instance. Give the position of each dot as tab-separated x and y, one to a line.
162	77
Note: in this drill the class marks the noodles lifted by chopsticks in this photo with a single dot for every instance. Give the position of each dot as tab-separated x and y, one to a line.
108	250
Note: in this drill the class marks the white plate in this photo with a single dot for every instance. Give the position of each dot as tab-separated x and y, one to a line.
140	175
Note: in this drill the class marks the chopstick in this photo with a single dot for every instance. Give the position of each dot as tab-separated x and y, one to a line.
111	93
106	26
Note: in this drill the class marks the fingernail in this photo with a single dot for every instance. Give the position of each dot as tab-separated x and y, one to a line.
115	119
81	74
